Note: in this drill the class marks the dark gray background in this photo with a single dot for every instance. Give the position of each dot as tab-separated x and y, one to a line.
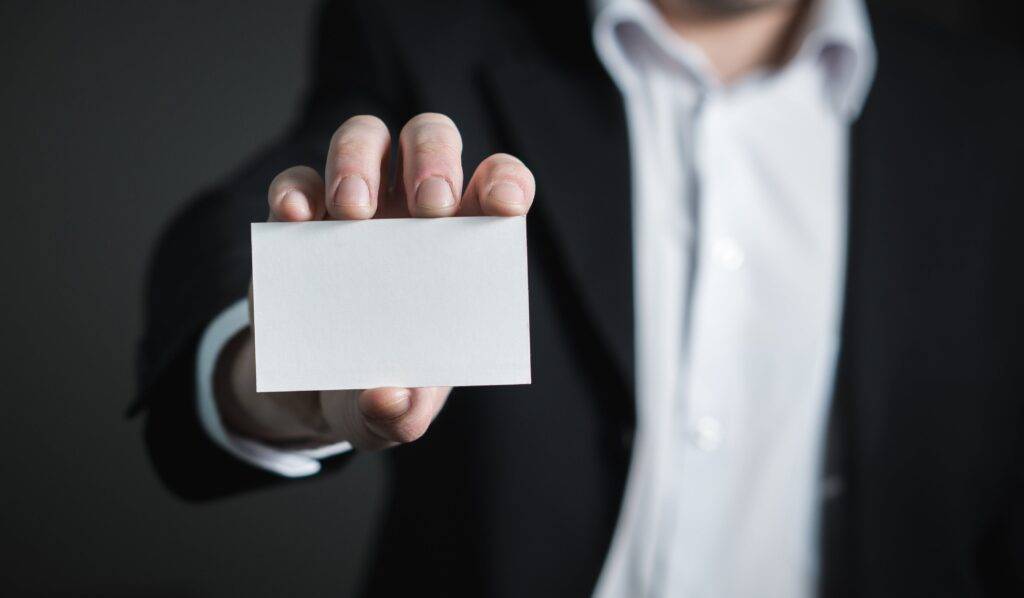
111	115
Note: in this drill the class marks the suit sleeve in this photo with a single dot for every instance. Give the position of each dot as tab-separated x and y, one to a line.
202	263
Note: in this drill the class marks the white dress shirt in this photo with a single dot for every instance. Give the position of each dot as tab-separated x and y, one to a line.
739	197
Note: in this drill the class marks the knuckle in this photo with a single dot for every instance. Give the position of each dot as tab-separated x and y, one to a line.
434	146
432	133
359	136
431	118
503	158
508	171
305	172
352	147
366	123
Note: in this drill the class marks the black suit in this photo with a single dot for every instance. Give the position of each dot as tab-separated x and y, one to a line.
515	490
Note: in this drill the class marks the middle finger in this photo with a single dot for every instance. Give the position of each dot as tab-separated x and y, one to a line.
431	156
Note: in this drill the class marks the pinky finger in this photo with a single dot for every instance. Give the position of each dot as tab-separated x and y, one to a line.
296	195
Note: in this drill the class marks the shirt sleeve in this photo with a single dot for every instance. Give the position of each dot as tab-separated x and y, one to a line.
287	463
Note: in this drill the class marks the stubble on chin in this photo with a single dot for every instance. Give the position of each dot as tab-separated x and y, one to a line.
723	8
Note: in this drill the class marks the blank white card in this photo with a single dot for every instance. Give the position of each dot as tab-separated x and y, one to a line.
393	302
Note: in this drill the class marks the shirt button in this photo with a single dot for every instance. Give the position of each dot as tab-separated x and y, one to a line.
707	434
728	253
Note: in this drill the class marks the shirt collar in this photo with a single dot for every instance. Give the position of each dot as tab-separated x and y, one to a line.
838	34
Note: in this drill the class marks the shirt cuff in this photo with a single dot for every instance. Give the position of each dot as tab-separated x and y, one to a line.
288	463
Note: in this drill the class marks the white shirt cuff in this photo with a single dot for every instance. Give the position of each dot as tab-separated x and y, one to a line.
288	463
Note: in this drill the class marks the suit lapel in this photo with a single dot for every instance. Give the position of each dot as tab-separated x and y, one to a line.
567	122
853	426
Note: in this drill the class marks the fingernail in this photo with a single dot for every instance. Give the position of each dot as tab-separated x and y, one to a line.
434	194
295	206
398	404
509	193
352	191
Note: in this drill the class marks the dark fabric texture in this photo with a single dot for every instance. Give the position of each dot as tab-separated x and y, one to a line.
515	491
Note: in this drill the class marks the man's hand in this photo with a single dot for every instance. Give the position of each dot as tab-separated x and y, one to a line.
429	185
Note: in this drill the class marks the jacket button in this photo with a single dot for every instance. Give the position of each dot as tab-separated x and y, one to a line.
832	487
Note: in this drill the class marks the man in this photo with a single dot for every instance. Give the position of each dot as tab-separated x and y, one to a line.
772	350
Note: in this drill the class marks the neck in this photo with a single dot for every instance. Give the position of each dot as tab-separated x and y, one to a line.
738	42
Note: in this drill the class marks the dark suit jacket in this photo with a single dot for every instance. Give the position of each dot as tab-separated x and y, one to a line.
515	490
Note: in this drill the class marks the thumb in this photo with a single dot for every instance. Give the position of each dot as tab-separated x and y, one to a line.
382	417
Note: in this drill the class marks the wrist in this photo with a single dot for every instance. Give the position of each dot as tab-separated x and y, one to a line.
291	420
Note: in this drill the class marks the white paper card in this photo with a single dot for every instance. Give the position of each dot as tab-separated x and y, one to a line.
392	302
